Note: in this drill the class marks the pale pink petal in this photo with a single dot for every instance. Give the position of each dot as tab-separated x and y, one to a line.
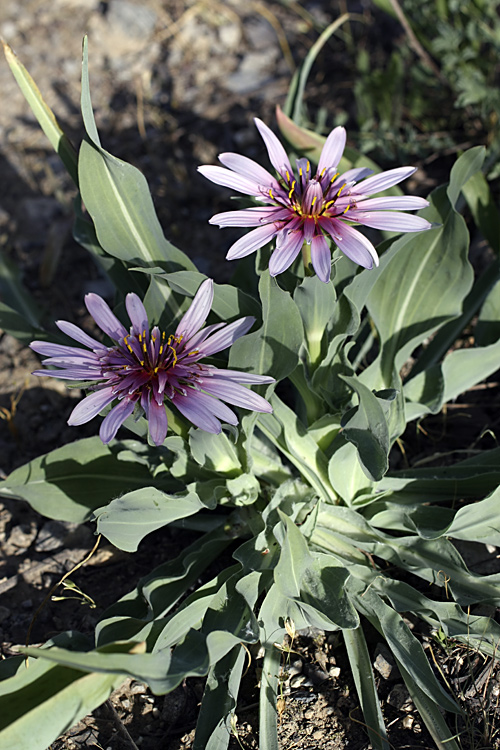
226	337
91	406
396	202
105	319
250	169
198	311
250	217
114	420
284	256
385	180
137	314
321	258
392	221
229	179
332	150
237	395
242	377
277	154
352	243
252	241
157	422
196	411
78	335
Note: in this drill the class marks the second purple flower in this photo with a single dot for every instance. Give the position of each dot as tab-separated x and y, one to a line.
145	368
306	206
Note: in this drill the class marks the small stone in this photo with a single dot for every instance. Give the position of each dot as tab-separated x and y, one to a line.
408	722
132	19
384	663
230	36
334	672
297	680
318	734
27	604
400	698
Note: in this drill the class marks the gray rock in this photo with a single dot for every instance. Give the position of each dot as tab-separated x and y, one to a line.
399	698
260	34
385	664
253	73
132	19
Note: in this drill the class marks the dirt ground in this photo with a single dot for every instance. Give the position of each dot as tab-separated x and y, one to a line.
174	83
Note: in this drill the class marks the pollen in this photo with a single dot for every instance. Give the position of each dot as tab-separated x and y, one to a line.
290	193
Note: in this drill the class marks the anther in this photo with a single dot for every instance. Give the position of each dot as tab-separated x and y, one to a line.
291	190
343	186
346	209
334	177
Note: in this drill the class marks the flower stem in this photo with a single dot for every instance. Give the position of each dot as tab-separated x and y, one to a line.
306	258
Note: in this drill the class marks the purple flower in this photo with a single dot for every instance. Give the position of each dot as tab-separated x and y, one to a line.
145	368
307	206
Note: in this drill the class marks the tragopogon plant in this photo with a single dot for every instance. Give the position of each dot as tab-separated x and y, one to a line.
314	529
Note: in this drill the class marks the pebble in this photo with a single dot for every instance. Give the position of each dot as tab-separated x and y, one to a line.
400	698
252	74
384	663
132	19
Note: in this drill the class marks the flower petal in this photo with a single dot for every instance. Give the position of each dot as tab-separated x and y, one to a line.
137	314
237	395
397	202
252	241
73	373
250	217
353	175
284	256
352	243
226	337
277	154
78	335
249	168
321	258
91	406
194	408
242	377
105	319
198	311
229	179
393	221
385	180
333	149
116	417
47	349
157	422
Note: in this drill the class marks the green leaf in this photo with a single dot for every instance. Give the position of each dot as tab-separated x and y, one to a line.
273	349
419	287
485	212
120	658
429	711
126	520
488	326
70	482
14	294
478	522
286	431
368	430
268	715
463	368
214	452
405	647
46	118
157	593
213	728
40	703
117	197
466	166
316	303
16	325
364	679
229	301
